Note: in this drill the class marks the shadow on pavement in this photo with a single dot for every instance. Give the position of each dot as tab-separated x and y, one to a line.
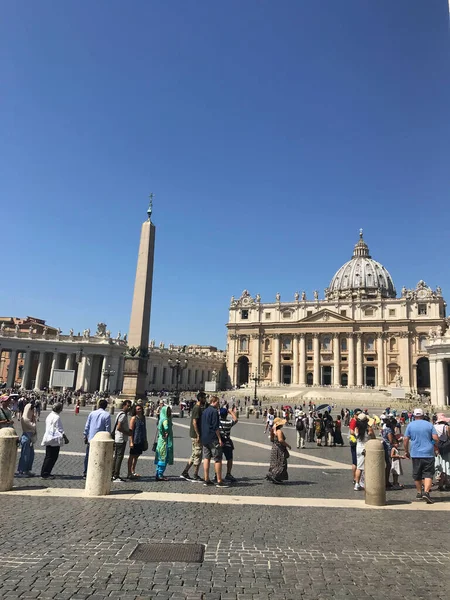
20	488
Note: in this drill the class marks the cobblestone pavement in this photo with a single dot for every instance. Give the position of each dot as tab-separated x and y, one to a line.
79	548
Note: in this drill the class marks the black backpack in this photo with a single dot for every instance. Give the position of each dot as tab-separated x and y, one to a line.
300	425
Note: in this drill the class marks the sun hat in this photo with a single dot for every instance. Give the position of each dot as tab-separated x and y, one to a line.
418	412
364	417
441	417
4	398
278	422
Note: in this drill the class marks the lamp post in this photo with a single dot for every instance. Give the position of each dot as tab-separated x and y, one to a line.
178	367
256	378
107	373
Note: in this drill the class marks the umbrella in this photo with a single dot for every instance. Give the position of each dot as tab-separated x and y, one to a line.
322	406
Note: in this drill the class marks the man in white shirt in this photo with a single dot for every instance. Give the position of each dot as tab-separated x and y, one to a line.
121	434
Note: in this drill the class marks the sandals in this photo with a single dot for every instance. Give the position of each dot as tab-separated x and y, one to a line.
161	478
133	476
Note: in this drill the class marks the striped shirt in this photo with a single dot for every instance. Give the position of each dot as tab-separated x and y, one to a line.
225	426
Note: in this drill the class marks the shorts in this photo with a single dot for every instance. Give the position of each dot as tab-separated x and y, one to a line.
228	452
353	451
137	450
360	461
423	468
196	454
213	451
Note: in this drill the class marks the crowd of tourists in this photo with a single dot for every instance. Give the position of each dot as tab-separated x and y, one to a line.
426	439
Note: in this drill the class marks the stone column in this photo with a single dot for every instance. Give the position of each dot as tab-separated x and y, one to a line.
231	359
81	374
54	366
351	360
103	379
359	360
336	360
440	382
405	353
255	352
316	348
295	357
302	374
276	359
40	371
27	369
381	365
12	368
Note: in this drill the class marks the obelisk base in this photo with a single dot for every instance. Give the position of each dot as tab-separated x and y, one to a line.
134	377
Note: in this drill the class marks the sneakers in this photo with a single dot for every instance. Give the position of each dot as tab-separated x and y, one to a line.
118	480
428	499
230	478
358	487
208	482
196	479
419	496
221	484
185	475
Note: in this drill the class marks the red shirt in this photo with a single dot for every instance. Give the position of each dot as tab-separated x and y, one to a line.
353	423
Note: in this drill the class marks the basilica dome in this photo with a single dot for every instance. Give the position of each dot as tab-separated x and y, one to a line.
361	276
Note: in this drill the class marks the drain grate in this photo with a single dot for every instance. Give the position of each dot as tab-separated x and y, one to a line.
188	553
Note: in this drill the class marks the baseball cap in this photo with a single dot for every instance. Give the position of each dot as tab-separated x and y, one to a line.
418	412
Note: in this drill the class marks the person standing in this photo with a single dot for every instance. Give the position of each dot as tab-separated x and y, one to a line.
27	441
164	447
364	433
138	439
420	443
98	420
121	433
225	426
279	454
338	440
195	434
54	438
212	442
300	426
442	463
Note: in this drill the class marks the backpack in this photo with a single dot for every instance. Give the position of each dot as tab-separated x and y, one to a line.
300	425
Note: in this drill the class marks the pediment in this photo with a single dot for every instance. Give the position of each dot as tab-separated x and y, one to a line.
326	316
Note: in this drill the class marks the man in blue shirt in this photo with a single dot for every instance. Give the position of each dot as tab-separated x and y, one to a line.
98	420
212	442
423	439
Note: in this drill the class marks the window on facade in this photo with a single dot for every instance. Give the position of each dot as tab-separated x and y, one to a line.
422	309
266	370
326	343
268	315
309	313
422	342
244	314
392	344
287	314
392	312
310	357
344	313
196	376
154	375
344	358
267	344
309	344
164	375
285	343
243	344
370	344
189	376
369	312
370	359
173	377
344	344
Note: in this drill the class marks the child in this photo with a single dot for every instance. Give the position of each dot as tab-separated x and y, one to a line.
396	465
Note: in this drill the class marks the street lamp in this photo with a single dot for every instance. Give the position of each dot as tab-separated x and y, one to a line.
178	367
107	373
256	378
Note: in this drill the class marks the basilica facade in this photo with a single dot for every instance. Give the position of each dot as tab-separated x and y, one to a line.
360	335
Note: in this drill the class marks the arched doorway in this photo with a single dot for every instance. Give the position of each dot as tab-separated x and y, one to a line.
326	375
344	380
423	373
242	374
370	376
309	378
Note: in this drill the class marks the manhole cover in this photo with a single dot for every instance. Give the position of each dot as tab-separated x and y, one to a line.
189	553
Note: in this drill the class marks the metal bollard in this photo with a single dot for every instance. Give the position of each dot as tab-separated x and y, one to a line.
98	478
257	413
82	401
247	410
8	458
111	409
147	411
375	473
44	406
237	413
181	414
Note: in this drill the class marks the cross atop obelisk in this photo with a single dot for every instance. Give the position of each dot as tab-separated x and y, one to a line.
135	372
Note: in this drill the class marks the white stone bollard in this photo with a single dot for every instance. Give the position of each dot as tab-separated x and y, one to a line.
8	458
98	477
375	473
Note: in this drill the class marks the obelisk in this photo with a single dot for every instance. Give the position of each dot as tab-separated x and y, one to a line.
135	367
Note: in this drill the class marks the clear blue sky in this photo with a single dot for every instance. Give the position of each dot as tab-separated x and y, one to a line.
270	132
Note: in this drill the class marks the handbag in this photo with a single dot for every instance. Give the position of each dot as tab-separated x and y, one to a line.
66	439
155	443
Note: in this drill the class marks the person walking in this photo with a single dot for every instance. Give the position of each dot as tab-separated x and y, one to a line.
279	454
442	462
54	438
27	441
301	426
164	446
98	420
225	426
212	442
138	438
195	434
338	440
420	443
121	433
